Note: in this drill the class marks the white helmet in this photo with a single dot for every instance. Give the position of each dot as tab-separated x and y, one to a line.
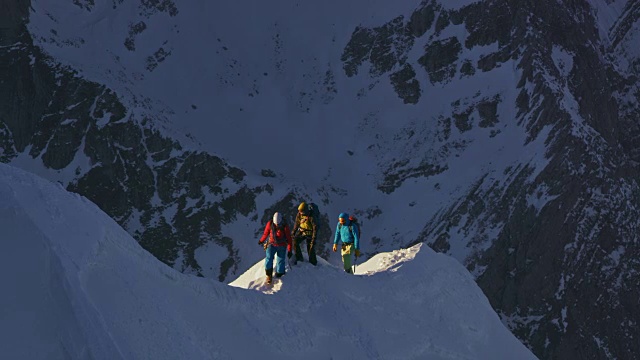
277	218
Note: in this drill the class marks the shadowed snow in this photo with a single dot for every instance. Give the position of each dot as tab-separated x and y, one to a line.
80	287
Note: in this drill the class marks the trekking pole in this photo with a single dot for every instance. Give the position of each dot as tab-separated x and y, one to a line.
355	263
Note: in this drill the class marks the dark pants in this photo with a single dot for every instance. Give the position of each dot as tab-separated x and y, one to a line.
310	249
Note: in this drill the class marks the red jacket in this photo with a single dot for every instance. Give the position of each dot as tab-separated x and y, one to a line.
279	237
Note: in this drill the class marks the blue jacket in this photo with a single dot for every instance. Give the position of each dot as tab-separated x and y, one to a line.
347	237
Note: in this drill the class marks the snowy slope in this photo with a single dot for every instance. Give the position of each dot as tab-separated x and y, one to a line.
508	139
80	287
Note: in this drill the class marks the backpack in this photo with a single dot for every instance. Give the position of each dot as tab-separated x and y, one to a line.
354	222
314	212
272	233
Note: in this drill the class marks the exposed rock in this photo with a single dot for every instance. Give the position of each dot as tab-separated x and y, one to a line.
488	111
171	200
134	29
422	18
548	264
383	47
152	6
159	56
405	84
467	69
85	4
462	120
440	59
400	171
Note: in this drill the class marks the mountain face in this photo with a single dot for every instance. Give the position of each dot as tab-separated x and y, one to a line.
568	231
87	290
172	199
503	133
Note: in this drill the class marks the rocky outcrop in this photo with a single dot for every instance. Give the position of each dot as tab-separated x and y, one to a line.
172	200
440	59
406	85
547	242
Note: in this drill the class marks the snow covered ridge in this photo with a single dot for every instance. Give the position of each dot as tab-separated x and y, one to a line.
517	150
80	287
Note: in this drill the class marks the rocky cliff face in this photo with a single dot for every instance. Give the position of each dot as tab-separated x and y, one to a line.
539	97
172	199
564	275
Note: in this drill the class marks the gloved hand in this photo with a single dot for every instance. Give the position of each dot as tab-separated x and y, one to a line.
289	254
357	253
335	247
259	242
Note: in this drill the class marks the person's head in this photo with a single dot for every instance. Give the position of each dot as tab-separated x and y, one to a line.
343	218
277	219
302	208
